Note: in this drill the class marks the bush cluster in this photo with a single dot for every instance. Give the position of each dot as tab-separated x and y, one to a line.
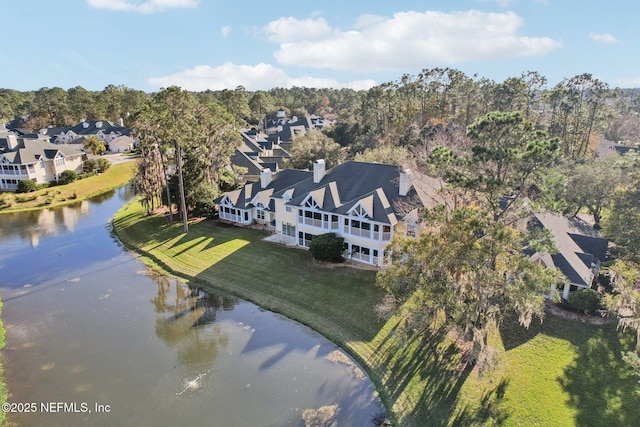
327	247
67	177
586	301
26	186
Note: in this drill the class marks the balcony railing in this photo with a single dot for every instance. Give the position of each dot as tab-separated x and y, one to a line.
357	232
319	223
359	256
231	217
313	222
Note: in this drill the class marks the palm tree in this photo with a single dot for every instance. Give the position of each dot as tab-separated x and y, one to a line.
93	145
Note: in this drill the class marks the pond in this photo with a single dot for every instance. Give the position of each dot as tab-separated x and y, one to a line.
95	338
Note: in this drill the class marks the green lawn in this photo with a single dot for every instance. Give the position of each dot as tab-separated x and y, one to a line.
3	390
116	176
560	373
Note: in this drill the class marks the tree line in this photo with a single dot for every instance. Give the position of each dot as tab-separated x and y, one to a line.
493	143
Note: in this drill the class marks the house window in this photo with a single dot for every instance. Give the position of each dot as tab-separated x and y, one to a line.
358	228
289	229
260	214
288	209
311	203
411	229
59	161
361	212
310	218
304	239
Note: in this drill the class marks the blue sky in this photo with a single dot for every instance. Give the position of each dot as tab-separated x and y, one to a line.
209	44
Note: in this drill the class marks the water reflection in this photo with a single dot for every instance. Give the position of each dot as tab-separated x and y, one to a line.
31	226
186	324
91	324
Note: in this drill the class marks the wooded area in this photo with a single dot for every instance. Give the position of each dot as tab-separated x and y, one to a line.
488	140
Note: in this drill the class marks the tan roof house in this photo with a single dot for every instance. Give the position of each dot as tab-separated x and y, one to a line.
34	159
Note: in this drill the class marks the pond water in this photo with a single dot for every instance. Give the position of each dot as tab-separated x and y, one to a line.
95	338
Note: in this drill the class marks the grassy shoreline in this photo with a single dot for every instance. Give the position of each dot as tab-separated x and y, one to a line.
114	177
549	375
3	388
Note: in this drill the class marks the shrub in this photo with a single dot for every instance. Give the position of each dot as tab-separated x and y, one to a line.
89	165
327	247
68	176
26	186
586	301
7	200
102	164
204	208
21	198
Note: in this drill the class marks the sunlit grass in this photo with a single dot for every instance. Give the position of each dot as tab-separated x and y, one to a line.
3	390
559	373
116	176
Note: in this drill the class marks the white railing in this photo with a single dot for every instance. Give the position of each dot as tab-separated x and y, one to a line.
231	217
359	256
313	222
357	232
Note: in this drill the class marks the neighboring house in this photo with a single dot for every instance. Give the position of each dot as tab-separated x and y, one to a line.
258	152
606	146
104	130
35	159
270	145
121	144
366	203
580	251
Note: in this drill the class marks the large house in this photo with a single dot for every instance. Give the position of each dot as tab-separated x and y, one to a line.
580	251
104	130
269	146
36	159
366	203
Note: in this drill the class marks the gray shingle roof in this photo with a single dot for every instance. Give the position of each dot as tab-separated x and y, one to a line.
353	182
30	151
577	252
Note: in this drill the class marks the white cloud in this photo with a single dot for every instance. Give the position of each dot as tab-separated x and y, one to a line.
629	82
603	38
290	30
406	40
148	6
226	30
503	3
257	77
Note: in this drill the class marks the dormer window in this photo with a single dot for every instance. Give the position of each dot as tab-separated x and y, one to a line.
310	202
360	212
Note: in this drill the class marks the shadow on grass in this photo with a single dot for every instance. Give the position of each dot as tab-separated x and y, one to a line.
490	411
425	376
513	334
600	385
